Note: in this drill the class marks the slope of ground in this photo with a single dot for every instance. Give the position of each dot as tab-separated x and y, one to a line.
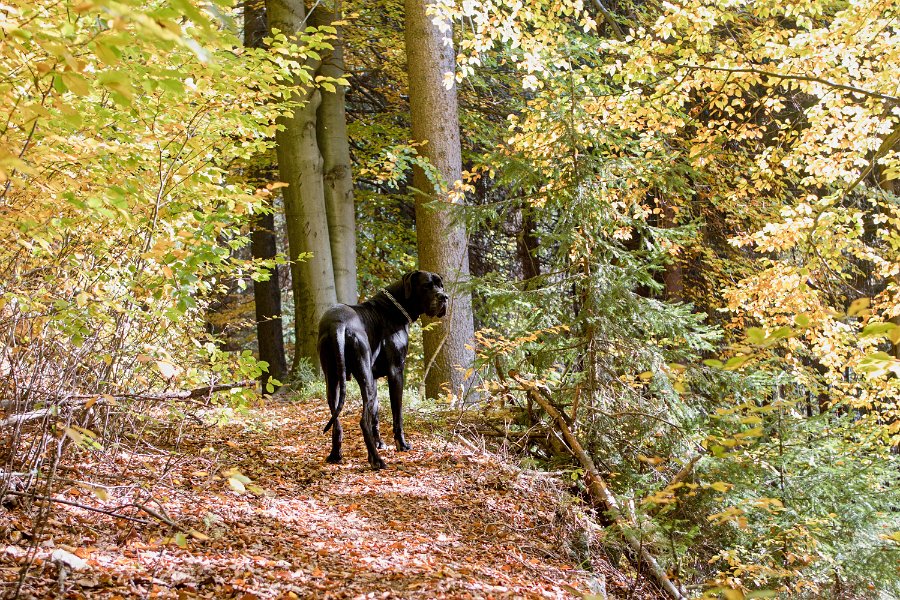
442	521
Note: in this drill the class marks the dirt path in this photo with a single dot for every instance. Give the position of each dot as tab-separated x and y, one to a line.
441	521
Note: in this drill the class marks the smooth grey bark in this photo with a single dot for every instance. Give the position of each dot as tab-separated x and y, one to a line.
331	130
441	240
266	294
300	165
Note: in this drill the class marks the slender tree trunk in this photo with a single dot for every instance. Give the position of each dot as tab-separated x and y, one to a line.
673	276
441	240
527	247
300	166
335	146
266	294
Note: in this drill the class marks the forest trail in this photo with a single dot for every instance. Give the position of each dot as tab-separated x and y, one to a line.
442	521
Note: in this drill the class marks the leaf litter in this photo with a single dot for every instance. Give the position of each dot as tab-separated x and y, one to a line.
260	514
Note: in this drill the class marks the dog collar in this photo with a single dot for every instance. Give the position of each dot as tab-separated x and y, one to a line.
397	304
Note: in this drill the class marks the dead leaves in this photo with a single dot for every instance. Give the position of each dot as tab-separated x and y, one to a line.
264	517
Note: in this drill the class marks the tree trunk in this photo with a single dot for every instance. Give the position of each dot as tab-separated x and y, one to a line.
673	276
267	297
441	241
527	247
266	294
335	146
300	166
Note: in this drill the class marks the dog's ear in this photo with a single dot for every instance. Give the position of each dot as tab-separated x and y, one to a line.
407	284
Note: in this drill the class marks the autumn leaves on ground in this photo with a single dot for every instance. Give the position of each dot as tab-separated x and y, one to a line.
445	520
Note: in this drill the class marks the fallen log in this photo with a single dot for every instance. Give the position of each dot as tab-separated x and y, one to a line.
599	490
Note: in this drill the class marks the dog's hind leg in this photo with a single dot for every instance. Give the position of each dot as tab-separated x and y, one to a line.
336	392
369	421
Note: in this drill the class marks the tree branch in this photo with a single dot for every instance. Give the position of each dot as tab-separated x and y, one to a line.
807	78
607	16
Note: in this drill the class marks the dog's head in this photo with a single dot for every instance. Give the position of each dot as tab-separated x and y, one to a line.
425	291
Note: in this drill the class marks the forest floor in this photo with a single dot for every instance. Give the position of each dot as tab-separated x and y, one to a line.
444	520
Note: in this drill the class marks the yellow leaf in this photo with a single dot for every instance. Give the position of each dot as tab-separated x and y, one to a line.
733	594
857	307
74	435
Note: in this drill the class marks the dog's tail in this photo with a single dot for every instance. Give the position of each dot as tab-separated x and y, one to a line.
339	387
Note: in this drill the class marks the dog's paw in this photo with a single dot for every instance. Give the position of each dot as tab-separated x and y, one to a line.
334	459
378	464
402	444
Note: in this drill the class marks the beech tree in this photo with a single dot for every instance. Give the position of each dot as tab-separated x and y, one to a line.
441	239
301	167
331	132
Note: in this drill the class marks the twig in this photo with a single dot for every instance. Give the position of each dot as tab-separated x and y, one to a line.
160	516
78	505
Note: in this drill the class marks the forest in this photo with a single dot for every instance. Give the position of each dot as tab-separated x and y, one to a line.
668	233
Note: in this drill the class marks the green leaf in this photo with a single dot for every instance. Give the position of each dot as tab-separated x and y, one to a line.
756	335
736	362
108	53
172	85
76	83
877	329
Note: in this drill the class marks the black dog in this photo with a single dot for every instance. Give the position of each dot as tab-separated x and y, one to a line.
369	341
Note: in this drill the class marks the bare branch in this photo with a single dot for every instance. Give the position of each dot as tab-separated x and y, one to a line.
832	84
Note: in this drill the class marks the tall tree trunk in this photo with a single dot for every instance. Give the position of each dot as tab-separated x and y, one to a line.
300	166
266	294
335	146
441	241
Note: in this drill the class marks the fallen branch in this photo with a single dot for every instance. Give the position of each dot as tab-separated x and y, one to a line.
24	417
82	399
77	505
180	395
599	490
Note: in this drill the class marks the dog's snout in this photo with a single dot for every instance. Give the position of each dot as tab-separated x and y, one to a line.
443	297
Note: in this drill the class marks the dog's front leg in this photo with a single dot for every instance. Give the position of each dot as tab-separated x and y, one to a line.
395	388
